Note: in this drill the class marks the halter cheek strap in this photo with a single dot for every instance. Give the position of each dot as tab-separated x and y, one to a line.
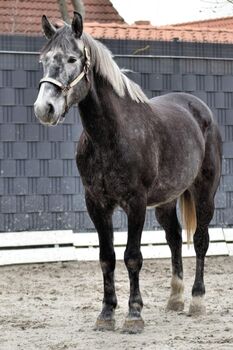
65	88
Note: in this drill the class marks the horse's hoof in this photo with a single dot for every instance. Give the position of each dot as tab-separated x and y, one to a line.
175	305
104	325
197	307
133	325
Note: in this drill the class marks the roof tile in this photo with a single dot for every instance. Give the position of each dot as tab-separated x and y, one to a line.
103	22
148	32
24	16
226	22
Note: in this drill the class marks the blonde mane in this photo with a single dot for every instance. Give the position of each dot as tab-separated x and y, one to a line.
104	64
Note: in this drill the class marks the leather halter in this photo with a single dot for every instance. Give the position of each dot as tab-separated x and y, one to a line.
65	88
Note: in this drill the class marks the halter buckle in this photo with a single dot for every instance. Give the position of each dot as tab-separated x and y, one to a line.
86	70
65	90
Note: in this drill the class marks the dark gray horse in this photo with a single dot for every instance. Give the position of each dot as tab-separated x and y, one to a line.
133	153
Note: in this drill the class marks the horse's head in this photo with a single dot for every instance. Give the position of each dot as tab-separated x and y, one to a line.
66	63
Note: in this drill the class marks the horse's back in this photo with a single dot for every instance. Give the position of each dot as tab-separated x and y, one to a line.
200	112
196	108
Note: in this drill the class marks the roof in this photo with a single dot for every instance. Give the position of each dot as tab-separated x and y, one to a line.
223	22
24	16
102	21
166	33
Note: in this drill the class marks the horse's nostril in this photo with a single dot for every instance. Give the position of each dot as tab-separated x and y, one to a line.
50	108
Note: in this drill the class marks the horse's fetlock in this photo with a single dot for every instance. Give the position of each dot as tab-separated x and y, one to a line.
198	289
136	306
108	308
197	306
177	285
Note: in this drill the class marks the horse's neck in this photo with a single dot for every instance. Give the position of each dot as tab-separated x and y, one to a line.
101	112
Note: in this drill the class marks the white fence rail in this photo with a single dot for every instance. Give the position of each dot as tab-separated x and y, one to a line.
51	246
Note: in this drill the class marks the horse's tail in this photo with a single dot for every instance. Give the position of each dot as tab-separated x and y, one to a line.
188	214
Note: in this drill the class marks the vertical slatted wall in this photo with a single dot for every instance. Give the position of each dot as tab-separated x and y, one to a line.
40	188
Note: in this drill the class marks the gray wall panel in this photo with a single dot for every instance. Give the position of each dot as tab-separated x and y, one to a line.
40	187
19	43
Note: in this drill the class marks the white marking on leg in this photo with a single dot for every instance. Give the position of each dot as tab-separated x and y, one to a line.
176	301
177	286
197	306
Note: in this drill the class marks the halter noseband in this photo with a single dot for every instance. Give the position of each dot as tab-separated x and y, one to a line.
65	88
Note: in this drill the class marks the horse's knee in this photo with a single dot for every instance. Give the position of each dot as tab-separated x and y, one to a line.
107	265
133	261
107	261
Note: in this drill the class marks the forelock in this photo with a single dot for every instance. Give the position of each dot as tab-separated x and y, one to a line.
63	39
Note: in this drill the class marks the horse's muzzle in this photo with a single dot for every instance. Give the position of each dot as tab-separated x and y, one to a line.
46	113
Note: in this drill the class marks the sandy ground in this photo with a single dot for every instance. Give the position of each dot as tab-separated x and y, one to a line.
54	307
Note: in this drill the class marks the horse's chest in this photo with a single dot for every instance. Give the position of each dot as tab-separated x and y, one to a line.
101	176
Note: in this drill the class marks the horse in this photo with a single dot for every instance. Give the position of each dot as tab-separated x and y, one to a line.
133	153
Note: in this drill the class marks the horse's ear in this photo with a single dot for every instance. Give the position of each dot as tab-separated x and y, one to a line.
77	25
48	28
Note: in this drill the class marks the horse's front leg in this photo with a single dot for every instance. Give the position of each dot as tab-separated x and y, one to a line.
133	260
102	219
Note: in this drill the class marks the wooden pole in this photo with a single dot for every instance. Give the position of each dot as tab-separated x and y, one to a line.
79	7
63	10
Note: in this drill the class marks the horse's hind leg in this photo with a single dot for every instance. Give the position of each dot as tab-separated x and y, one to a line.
102	219
204	211
167	218
203	190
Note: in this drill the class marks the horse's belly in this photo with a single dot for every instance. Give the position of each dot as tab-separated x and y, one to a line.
174	180
160	197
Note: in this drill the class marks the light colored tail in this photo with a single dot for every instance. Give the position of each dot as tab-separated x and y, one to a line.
188	215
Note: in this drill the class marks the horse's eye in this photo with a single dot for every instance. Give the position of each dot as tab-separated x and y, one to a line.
71	59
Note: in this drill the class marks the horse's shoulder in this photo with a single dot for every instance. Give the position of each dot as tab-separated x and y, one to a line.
83	142
85	149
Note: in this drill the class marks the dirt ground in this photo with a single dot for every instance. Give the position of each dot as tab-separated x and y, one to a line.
54	307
